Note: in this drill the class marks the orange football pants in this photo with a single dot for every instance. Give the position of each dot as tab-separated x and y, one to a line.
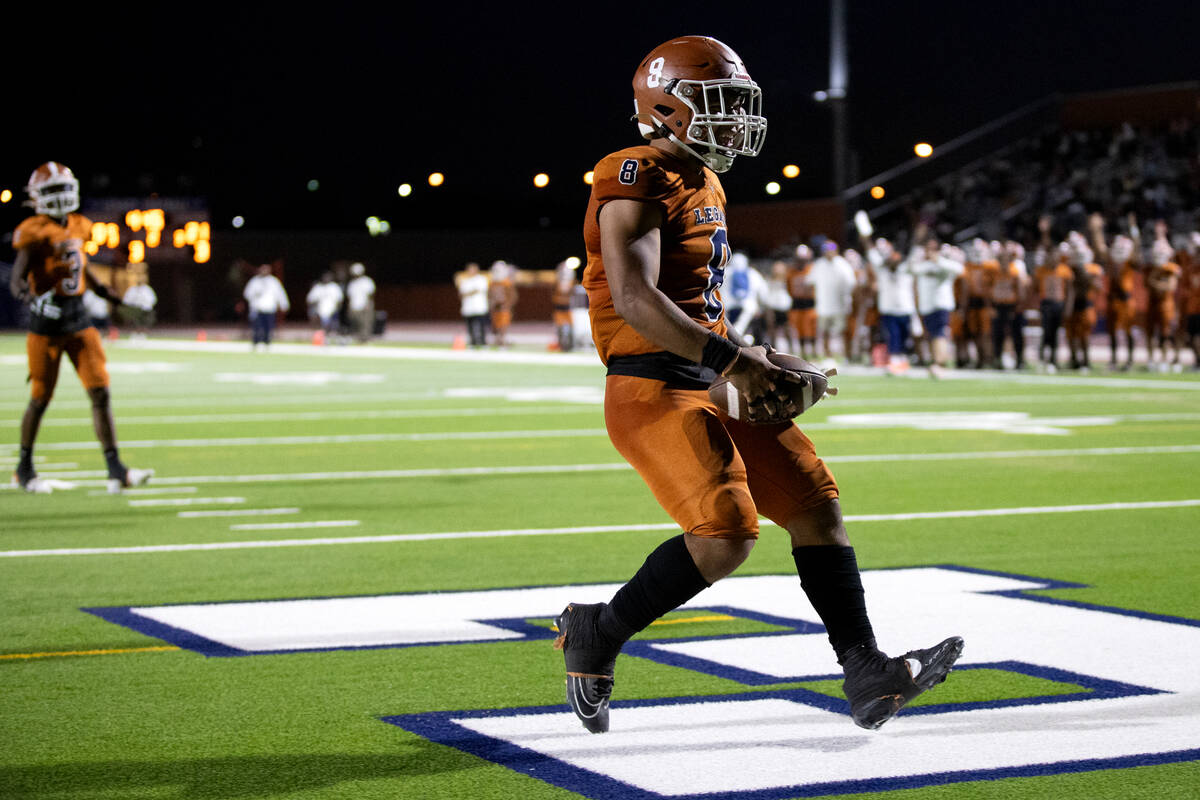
804	322
85	350
713	474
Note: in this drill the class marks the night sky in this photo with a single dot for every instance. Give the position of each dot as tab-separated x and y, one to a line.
245	108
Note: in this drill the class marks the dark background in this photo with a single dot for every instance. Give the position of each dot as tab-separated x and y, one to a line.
245	106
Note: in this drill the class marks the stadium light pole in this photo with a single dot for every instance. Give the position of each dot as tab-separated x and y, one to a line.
839	78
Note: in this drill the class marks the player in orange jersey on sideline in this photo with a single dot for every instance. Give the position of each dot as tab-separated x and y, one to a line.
657	246
51	273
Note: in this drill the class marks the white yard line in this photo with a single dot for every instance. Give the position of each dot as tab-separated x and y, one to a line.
325	416
400	474
285	526
147	490
883	422
238	512
516	532
159	502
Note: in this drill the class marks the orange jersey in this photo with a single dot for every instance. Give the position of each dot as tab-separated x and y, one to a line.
1121	286
1164	279
693	248
1006	284
978	278
1089	280
1052	281
1191	289
57	260
797	283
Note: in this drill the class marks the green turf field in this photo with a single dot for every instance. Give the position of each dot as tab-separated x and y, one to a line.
326	473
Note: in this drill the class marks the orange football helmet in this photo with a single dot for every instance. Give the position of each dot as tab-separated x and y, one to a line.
696	92
53	189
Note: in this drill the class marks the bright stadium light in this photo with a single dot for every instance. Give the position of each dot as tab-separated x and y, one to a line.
313	185
404	190
773	187
541	180
238	221
5	196
573	262
791	171
877	192
923	149
588	177
437	179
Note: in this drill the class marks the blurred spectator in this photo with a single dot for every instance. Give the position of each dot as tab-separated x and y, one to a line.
778	302
564	284
137	310
324	302
1055	284
1191	299
1162	281
896	302
265	297
935	270
502	299
1008	302
833	281
472	288
360	303
743	292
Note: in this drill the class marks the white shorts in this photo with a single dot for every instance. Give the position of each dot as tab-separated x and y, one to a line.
832	325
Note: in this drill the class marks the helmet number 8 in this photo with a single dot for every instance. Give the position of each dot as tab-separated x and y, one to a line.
655	70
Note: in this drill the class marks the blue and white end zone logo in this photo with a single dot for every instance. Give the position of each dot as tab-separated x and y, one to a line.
1137	701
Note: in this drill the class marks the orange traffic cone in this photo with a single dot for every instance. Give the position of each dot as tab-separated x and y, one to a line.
319	337
113	333
460	343
202	335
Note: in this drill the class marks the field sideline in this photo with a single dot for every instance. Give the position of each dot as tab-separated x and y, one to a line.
340	585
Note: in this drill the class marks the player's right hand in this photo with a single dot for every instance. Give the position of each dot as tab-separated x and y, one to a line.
757	379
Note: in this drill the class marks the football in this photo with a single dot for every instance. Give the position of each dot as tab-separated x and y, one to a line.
803	394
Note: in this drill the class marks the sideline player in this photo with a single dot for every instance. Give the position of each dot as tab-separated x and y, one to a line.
656	241
51	272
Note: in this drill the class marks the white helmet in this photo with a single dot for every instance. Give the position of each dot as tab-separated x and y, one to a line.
53	189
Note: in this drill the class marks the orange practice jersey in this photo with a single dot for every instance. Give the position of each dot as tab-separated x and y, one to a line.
1052	281
797	282
1089	282
1121	288
1006	284
978	278
694	247
1163	280
56	256
1191	290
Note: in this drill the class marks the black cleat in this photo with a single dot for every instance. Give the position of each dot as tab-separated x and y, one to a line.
26	478
590	664
878	687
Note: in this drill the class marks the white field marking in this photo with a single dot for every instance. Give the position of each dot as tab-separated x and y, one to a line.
285	526
259	398
324	416
882	458
148	490
41	463
296	378
565	531
589	359
159	502
1003	422
238	512
352	438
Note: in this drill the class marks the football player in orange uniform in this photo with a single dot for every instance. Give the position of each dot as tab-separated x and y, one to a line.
1162	314
657	246
51	273
1089	282
1191	300
803	316
1055	284
979	274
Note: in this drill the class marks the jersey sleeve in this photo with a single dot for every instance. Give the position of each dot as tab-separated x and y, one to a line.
627	177
28	233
